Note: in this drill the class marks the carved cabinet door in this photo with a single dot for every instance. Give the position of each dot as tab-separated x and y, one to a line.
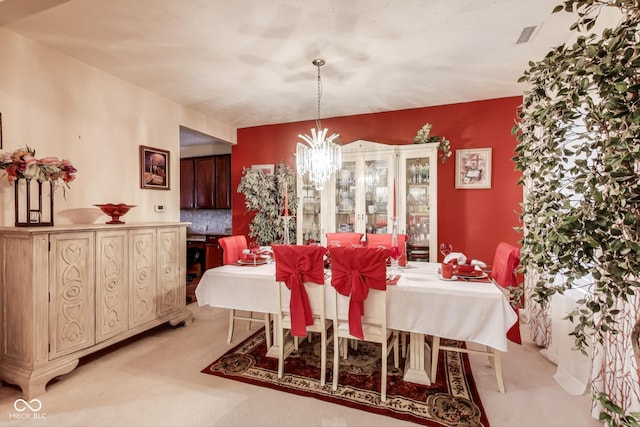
171	269
143	271
112	284
71	292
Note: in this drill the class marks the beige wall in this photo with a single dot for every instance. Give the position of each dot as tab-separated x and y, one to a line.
62	107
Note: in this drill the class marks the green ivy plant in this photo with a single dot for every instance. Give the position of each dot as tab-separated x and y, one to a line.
579	151
264	197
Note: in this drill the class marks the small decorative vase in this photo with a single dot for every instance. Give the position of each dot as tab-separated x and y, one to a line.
30	211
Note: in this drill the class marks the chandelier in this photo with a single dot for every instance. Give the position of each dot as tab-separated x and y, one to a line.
320	157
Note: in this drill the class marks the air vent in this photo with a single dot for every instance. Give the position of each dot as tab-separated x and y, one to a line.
526	34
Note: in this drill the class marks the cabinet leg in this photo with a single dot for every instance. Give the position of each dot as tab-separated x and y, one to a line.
185	317
34	383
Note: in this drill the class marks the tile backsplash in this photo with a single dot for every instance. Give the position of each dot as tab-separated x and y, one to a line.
207	220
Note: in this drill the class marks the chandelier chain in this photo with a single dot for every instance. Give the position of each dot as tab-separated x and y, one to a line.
319	63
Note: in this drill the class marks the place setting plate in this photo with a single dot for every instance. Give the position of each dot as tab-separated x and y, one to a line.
473	275
259	261
450	279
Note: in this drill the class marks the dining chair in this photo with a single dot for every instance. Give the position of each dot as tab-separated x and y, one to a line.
301	298
344	239
503	273
375	240
232	247
358	276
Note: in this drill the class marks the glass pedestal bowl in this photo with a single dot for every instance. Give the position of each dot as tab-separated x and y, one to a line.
115	211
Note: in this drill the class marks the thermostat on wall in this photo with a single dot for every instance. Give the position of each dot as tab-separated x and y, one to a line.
158	208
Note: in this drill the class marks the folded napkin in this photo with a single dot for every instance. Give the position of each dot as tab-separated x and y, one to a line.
478	263
459	256
462	259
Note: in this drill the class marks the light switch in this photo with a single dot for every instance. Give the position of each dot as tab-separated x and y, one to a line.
158	208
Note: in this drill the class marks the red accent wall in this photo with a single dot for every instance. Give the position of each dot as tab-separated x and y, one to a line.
474	221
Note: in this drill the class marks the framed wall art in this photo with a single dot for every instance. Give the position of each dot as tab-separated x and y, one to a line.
266	169
473	168
154	168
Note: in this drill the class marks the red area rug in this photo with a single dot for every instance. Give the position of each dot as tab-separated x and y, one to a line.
452	401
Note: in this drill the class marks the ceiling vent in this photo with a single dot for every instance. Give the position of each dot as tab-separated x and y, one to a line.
526	34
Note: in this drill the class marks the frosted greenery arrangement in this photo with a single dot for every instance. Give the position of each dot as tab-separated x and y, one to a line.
264	198
444	145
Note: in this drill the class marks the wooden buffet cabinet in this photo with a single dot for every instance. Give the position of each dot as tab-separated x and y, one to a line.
68	291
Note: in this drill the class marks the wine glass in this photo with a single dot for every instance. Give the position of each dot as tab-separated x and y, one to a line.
395	255
254	248
445	249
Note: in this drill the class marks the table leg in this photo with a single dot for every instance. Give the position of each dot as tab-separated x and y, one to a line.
274	350
418	360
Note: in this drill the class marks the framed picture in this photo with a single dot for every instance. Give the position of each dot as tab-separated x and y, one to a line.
266	169
473	168
154	168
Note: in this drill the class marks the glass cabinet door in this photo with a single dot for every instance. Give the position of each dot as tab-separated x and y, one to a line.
418	211
417	199
345	194
309	212
377	202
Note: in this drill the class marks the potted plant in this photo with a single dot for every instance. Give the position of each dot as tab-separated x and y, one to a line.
265	198
579	153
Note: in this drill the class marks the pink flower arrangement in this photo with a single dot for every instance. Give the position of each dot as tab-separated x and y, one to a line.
22	163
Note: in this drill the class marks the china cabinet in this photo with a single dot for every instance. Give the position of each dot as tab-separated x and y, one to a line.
360	196
66	292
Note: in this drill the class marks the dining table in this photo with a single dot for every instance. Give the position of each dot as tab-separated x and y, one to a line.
420	302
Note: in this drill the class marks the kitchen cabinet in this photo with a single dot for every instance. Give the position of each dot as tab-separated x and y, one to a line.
223	181
69	291
213	252
359	197
205	182
187	184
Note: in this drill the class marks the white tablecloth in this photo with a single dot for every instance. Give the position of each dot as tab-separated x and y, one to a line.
419	302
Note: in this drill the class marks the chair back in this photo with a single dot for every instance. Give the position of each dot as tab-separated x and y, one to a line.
355	272
297	265
505	262
503	272
377	240
232	248
345	239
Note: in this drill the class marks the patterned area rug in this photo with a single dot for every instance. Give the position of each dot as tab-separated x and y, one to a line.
452	401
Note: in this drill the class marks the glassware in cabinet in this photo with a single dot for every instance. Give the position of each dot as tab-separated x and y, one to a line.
309	213
377	200
345	197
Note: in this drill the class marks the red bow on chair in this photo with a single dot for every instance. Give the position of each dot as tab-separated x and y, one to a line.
294	266
353	272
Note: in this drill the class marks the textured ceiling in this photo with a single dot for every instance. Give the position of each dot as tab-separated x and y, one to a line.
248	62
